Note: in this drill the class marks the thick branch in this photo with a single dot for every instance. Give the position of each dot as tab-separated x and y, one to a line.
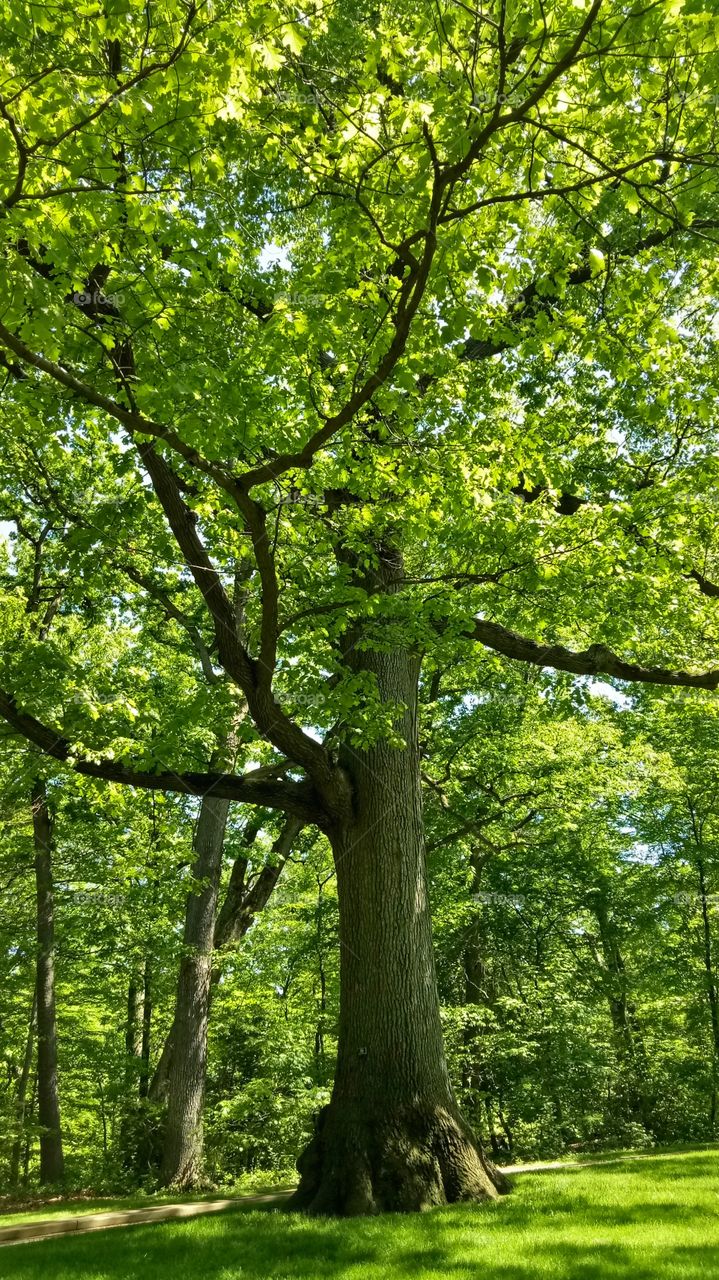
298	798
597	660
266	712
135	421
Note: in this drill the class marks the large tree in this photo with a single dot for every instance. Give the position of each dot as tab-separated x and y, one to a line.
365	305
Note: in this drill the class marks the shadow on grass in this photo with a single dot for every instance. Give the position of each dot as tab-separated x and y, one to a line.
246	1251
526	1236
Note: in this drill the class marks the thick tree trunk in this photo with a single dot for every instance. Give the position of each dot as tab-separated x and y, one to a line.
392	1137
183	1144
52	1164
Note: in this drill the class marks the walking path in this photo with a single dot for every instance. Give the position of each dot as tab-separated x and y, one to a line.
41	1228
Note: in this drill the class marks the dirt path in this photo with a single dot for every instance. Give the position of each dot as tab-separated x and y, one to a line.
43	1228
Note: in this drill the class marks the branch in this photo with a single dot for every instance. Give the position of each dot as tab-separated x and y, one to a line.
411	295
530	302
568	504
171	609
595	661
266	712
241	903
297	798
135	421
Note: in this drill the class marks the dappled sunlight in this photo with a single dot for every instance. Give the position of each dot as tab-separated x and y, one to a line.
646	1217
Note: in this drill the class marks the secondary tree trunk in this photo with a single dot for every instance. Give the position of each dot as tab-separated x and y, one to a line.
241	905
133	1030
183	1145
633	1099
21	1097
479	994
711	988
52	1164
392	1137
144	1082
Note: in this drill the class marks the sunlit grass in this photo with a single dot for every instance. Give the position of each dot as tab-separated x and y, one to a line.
642	1217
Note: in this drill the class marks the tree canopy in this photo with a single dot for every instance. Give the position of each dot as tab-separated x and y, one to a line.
348	351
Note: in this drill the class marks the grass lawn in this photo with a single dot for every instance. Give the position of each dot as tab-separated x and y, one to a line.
646	1217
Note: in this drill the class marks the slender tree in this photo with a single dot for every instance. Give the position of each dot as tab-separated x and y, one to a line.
21	1099
52	1162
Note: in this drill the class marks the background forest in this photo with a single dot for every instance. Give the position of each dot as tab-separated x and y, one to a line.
573	861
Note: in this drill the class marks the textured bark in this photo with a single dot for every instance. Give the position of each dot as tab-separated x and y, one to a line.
146	1028
392	1137
21	1097
183	1144
52	1164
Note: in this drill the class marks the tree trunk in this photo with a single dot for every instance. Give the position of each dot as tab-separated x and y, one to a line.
144	1082
711	990
479	994
21	1097
182	1154
634	1102
27	1153
240	907
392	1137
133	1030
52	1164
132	1154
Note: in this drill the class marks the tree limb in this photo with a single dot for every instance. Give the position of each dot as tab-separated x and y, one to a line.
298	798
595	661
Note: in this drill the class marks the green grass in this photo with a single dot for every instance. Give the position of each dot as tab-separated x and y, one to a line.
644	1217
